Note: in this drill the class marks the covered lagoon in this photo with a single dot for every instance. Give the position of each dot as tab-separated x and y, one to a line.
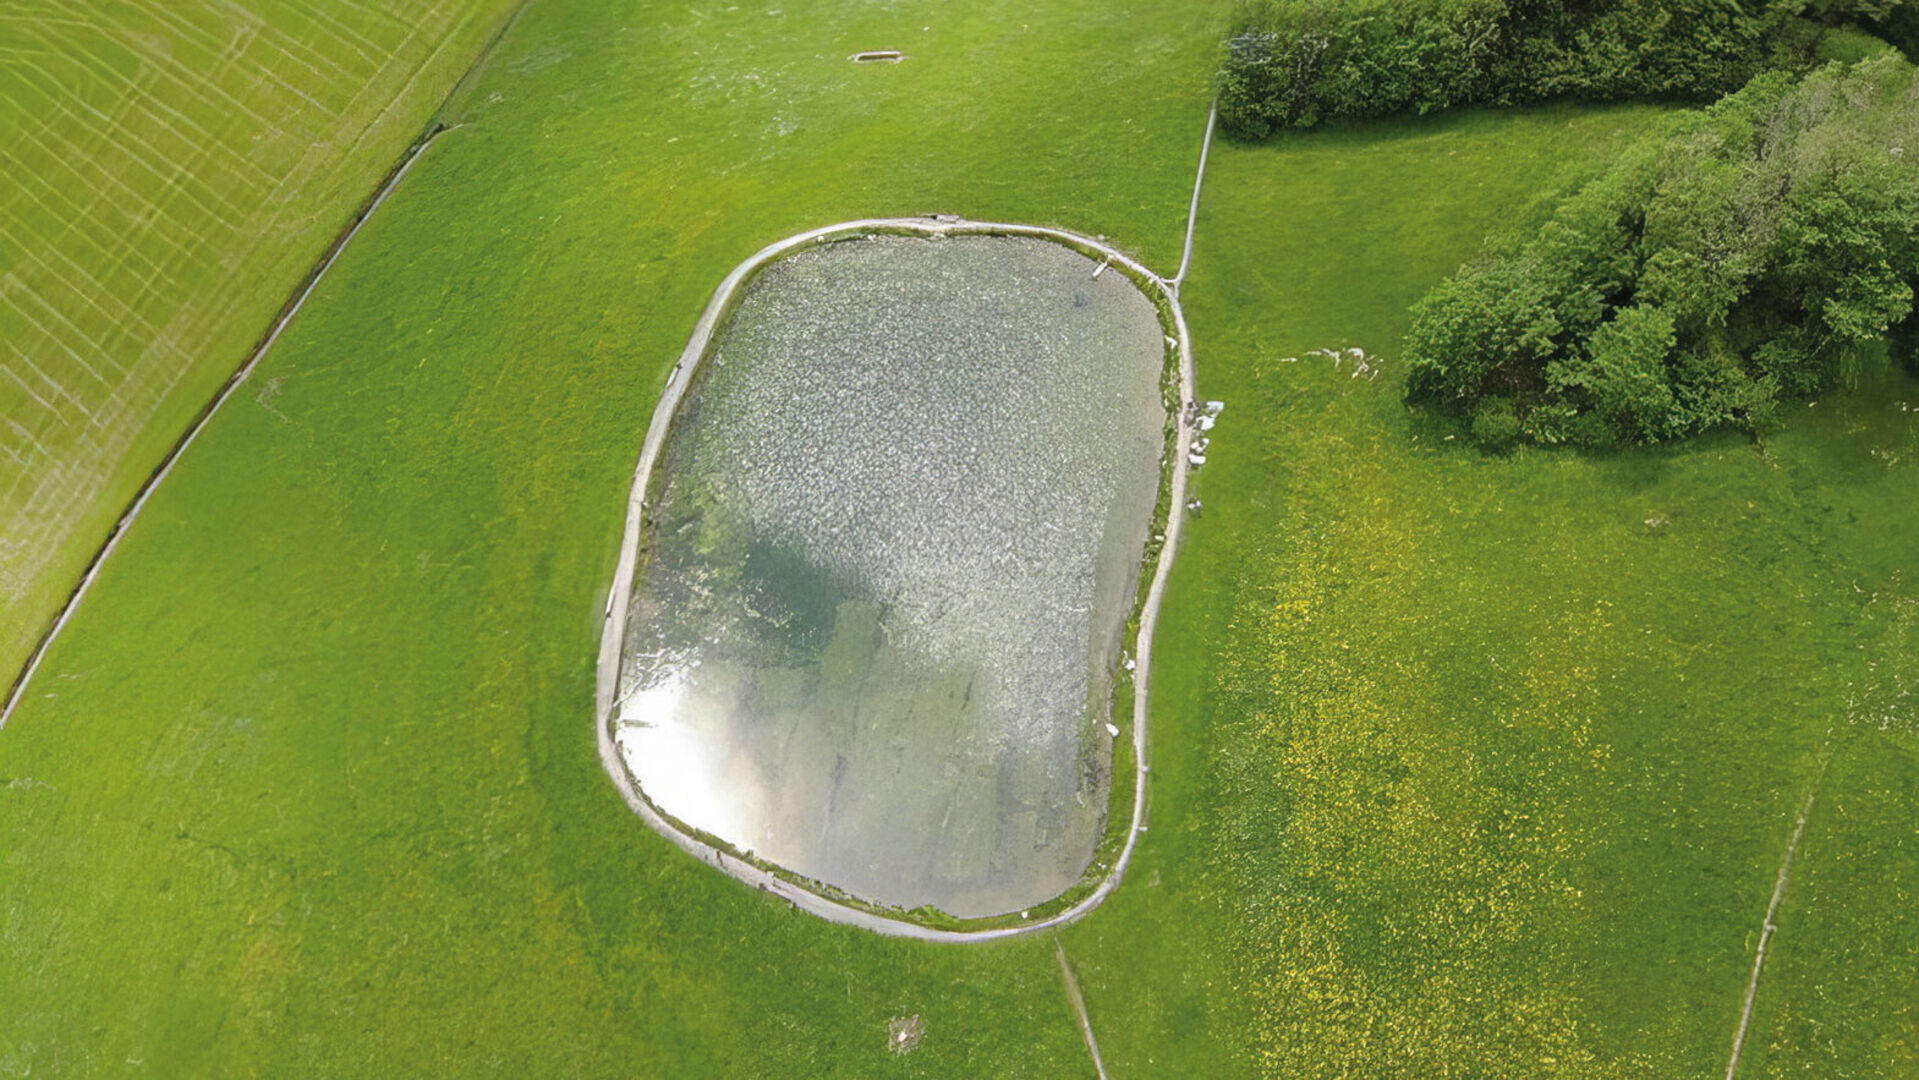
890	547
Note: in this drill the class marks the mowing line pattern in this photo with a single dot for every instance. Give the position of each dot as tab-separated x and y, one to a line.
152	483
161	157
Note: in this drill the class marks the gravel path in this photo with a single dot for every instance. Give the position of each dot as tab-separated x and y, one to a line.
1192	208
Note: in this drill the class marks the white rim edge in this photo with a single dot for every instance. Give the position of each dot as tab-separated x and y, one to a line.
613	627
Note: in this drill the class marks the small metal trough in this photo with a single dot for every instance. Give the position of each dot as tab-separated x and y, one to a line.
879	56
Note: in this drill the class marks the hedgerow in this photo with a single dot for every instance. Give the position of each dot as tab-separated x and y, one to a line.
1297	63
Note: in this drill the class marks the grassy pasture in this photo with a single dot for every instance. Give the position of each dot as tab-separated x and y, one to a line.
1464	765
349	819
168	172
1503	752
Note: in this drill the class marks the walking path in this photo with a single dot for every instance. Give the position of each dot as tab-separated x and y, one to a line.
1078	1002
1768	927
1192	208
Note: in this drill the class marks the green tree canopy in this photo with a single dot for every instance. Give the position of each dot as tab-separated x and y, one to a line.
1767	245
1297	63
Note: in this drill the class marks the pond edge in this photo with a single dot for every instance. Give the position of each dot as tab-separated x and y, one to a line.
814	897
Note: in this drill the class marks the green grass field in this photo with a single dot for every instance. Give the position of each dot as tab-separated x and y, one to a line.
1464	766
1508	749
168	173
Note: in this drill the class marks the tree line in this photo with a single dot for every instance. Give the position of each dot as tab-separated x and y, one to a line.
1298	63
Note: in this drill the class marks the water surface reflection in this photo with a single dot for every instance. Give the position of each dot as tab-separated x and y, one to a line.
889	552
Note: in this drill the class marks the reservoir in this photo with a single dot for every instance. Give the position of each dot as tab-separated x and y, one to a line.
887	556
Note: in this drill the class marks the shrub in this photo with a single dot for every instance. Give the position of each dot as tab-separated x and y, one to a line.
1496	423
1623	372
